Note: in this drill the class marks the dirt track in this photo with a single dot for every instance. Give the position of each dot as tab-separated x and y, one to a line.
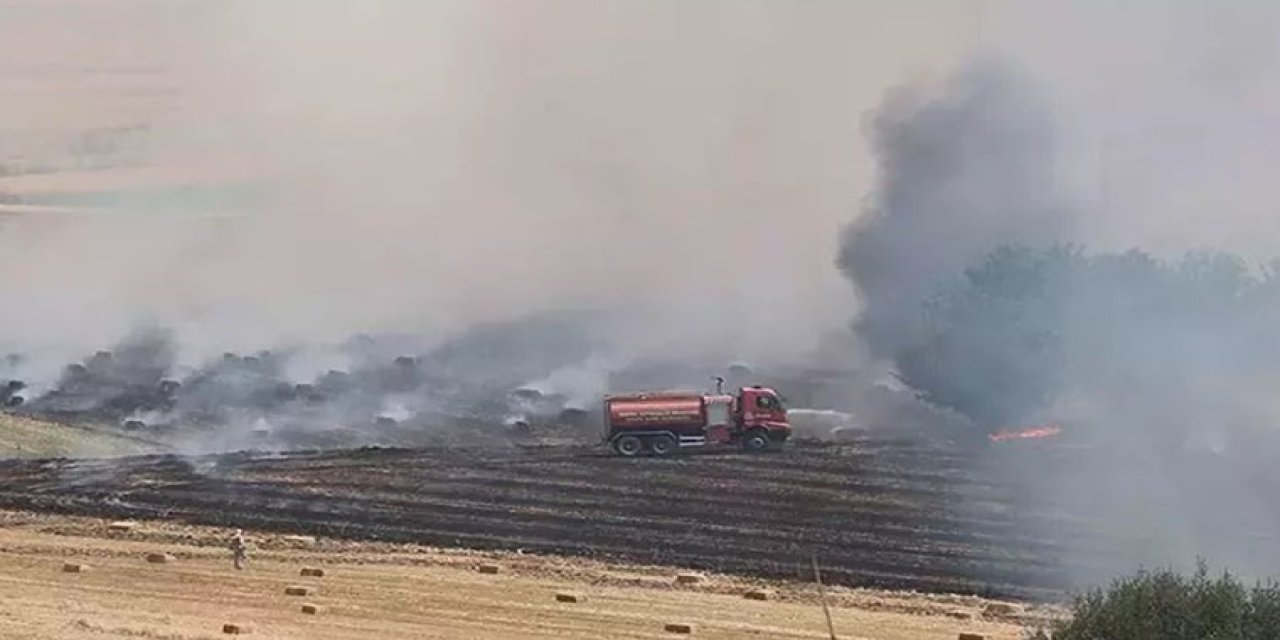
877	512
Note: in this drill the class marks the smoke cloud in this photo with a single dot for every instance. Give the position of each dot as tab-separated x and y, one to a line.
305	172
964	168
1157	364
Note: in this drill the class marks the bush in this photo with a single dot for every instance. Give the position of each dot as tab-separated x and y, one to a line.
1165	605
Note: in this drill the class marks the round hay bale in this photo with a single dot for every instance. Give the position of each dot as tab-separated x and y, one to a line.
570	597
525	393
297	590
689	578
489	569
574	417
683	628
235	629
160	558
758	594
311	572
997	609
285	391
72	567
310	609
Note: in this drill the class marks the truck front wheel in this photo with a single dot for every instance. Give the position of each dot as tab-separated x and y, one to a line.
755	441
628	446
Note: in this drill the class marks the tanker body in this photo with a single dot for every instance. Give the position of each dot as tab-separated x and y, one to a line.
662	422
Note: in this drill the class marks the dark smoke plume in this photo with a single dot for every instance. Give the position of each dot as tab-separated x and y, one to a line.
1160	369
963	168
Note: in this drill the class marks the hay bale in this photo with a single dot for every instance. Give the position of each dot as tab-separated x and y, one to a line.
689	578
489	569
122	526
758	594
160	558
310	609
297	590
678	627
971	636
311	572
570	597
1001	609
72	567
235	629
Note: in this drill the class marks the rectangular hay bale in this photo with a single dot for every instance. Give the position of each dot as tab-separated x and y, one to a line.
72	567
570	597
297	590
689	578
972	636
489	569
311	572
310	609
235	629
758	594
159	558
683	628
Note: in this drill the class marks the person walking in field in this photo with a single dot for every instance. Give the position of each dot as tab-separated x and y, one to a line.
238	549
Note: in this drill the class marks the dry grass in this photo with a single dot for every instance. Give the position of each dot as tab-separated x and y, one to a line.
26	438
385	592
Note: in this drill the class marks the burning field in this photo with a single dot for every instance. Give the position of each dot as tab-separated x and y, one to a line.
876	512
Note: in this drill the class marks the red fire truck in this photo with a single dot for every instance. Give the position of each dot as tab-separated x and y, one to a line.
661	422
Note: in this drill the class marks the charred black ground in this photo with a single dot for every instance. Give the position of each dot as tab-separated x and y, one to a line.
895	513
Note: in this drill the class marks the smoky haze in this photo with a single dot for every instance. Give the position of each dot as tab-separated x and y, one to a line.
1161	366
420	167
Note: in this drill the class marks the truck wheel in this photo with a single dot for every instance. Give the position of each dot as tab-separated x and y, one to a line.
662	445
755	441
628	446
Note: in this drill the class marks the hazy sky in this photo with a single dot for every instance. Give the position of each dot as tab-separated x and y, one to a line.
438	163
